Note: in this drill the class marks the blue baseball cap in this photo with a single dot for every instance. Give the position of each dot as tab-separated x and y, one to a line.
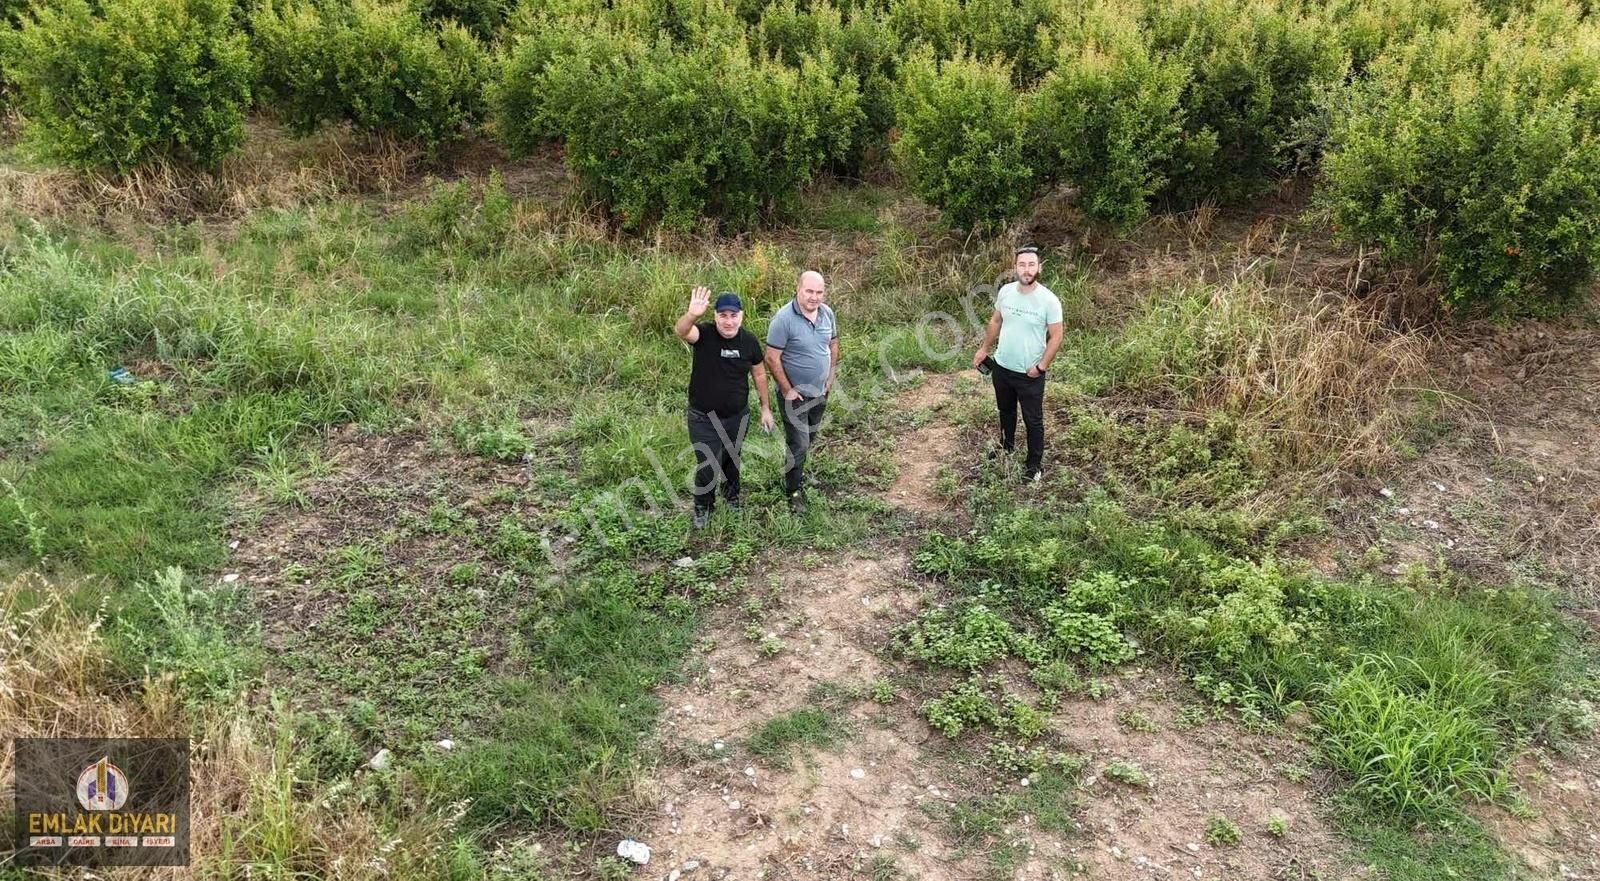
728	301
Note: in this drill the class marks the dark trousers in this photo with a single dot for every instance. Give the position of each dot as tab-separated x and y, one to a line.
716	439
1010	389
801	419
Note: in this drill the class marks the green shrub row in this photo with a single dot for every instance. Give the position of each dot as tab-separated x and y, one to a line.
1475	152
1146	102
1462	146
120	84
671	136
1461	140
377	66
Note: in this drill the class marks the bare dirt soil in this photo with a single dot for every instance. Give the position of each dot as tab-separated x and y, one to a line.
871	803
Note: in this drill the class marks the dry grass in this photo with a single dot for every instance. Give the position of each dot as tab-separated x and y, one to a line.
1323	373
1329	377
249	812
275	170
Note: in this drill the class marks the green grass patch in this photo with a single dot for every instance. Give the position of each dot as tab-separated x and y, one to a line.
807	727
1420	687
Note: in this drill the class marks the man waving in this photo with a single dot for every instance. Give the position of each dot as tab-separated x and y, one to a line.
725	356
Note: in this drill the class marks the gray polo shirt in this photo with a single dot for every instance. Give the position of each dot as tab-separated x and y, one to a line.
805	346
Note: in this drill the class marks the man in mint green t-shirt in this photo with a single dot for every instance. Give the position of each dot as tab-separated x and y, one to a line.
1027	323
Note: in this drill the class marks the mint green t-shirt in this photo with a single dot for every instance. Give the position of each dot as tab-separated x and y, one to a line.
1024	319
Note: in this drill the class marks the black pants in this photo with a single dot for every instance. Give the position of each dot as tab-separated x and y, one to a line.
1010	389
717	440
801	419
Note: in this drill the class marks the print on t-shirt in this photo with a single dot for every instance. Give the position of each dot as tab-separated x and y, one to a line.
719	379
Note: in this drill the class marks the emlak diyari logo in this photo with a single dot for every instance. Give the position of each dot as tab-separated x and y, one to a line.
102	802
102	786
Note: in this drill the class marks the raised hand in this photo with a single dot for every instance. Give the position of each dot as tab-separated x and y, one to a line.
699	301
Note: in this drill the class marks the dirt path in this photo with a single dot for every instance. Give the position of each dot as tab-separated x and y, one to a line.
922	453
873	802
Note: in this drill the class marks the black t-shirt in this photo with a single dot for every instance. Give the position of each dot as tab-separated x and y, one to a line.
719	381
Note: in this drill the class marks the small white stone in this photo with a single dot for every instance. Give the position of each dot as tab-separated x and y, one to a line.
1195	848
733	805
1025	781
683	562
1438	486
749	772
447	744
1430	524
233	545
717	745
877	841
674	875
1386	493
380	760
690	865
857	773
1402	511
230	578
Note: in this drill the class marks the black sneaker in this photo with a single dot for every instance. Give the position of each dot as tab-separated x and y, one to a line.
797	502
734	505
1035	475
702	517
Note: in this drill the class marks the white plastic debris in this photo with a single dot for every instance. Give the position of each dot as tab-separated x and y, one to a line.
1430	524
633	851
749	772
230	578
381	760
1026	781
1386	493
683	562
447	744
857	773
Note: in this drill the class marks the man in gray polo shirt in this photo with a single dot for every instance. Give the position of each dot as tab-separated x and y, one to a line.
803	356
